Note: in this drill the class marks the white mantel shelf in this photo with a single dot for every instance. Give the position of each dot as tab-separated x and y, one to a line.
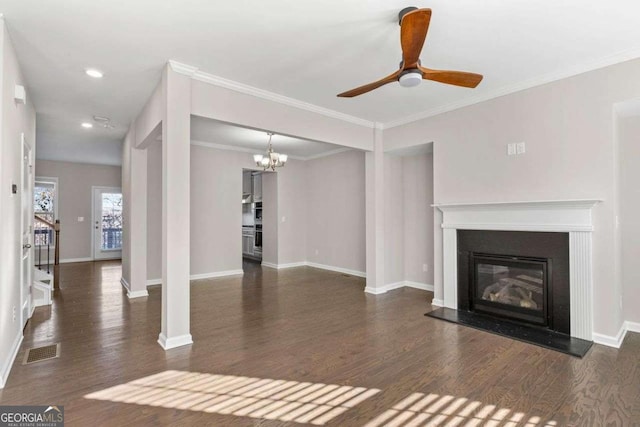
577	203
569	216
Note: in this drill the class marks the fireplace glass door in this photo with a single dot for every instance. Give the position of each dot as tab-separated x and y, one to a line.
511	287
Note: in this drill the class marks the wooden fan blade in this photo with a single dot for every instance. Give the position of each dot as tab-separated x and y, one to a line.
456	78
371	86
413	32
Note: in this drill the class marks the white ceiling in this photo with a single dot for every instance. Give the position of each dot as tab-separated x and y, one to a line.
223	135
309	51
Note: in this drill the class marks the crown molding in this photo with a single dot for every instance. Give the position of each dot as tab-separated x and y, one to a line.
252	151
328	153
232	148
196	74
607	61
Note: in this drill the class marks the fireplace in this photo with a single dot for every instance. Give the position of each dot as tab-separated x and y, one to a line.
517	276
510	287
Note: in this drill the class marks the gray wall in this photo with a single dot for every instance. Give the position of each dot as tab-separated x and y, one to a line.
75	200
629	187
568	127
15	119
335	196
408	197
417	181
320	200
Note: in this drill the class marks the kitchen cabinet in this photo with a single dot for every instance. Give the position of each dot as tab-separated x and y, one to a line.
247	244
246	184
257	187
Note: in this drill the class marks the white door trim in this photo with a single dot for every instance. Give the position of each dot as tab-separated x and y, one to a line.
23	228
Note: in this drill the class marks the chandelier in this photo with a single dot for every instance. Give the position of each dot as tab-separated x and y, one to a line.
271	160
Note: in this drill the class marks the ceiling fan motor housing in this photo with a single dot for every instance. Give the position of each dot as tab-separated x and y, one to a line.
404	12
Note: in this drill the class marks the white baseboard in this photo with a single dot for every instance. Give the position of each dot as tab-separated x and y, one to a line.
398	285
616	341
125	284
437	302
137	294
70	260
315	265
215	274
283	266
633	326
337	269
418	285
5	368
173	342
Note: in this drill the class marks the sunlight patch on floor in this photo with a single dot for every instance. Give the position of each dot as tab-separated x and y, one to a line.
300	402
421	409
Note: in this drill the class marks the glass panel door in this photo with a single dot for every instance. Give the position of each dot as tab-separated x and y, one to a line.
107	223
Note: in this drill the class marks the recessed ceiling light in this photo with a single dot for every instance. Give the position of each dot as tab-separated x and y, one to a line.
92	72
87	125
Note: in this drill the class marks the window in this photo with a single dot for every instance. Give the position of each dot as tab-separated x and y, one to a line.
111	221
44	209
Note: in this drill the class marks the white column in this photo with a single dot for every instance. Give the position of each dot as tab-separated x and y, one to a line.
374	170
176	129
138	223
581	284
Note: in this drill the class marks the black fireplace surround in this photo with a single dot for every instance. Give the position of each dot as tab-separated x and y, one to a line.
515	275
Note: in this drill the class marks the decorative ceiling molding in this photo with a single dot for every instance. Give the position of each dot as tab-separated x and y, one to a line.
254	151
196	74
620	57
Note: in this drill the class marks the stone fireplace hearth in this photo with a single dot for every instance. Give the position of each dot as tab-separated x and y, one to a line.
508	292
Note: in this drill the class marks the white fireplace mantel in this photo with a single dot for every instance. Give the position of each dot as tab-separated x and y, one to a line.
565	216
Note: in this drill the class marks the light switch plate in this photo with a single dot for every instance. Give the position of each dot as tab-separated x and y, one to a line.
511	149
80	219
520	148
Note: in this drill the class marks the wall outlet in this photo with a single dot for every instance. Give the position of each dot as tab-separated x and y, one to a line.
284	218
425	267
14	313
520	148
511	149
80	219
317	252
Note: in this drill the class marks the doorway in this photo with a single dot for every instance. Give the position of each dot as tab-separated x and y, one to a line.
25	229
107	223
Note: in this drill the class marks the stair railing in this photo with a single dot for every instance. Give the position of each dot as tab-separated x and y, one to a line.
44	232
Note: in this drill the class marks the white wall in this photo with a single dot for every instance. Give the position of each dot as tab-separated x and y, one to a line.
568	128
75	200
335	210
629	187
14	120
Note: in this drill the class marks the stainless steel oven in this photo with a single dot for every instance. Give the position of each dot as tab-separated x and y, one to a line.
257	213
257	245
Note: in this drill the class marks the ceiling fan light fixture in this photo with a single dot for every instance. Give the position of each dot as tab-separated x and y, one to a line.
410	78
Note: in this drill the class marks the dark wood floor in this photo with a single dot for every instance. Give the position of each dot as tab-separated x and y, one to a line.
345	357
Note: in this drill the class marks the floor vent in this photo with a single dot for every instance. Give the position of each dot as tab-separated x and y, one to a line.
38	354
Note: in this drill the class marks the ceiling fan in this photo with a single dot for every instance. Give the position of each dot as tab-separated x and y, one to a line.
414	24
